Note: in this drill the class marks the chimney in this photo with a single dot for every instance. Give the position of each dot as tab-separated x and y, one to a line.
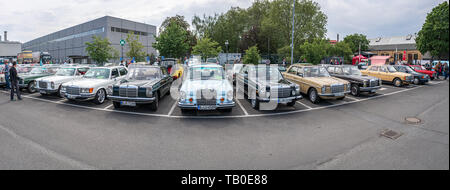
6	36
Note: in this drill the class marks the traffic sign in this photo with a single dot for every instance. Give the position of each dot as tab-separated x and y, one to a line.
122	42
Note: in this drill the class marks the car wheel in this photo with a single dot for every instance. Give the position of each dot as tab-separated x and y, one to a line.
255	103
116	104
397	82
290	104
154	105
100	96
31	87
313	96
416	81
59	92
355	90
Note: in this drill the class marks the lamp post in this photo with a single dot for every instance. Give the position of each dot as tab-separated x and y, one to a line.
226	44
293	22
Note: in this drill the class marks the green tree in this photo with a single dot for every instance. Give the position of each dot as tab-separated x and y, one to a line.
136	49
315	51
172	42
340	49
354	40
433	37
207	48
191	39
100	50
252	56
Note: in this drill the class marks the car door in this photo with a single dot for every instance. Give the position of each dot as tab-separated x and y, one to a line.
165	80
291	74
300	80
384	73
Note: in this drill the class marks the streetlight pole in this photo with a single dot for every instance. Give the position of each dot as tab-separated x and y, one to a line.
226	44
292	43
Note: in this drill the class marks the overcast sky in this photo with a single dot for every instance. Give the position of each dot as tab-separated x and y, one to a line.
26	20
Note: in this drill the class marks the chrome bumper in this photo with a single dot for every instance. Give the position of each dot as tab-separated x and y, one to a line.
47	91
335	94
368	89
81	97
217	106
281	100
130	99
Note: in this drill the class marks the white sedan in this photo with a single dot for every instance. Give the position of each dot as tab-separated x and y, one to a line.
95	85
52	84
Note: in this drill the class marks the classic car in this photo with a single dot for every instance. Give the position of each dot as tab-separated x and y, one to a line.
212	60
95	85
423	70
317	83
205	87
142	85
388	74
2	76
264	83
359	83
52	84
27	80
419	78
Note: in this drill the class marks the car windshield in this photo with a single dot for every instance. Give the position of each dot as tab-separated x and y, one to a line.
316	72
144	73
38	70
211	60
206	73
351	71
24	69
65	72
410	70
97	73
270	73
391	69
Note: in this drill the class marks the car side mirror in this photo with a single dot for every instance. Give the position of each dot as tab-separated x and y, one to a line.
300	74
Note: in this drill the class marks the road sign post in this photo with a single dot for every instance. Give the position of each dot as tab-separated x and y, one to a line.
122	43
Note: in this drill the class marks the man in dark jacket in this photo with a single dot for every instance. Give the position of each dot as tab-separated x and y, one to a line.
14	82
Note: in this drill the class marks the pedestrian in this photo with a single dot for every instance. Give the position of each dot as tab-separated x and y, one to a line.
436	69
14	82
284	62
8	85
445	71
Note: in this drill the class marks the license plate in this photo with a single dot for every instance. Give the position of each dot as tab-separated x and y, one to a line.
339	94
207	107
71	96
43	92
283	100
126	103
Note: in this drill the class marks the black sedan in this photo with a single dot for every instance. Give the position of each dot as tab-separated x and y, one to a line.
419	78
360	83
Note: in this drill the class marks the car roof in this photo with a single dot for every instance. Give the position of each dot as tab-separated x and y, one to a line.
206	65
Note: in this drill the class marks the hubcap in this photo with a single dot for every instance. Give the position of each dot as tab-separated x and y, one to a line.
397	83
313	96
354	90
254	102
416	81
101	96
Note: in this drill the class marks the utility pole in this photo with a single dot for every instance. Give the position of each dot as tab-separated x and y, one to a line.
292	43
226	44
268	47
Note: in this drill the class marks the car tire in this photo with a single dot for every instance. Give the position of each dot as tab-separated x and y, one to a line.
58	93
355	90
154	105
313	96
100	97
255	103
416	81
291	104
31	88
116	105
397	82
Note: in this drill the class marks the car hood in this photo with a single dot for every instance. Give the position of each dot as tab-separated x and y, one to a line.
402	74
325	80
88	83
140	83
56	79
195	85
279	84
426	72
24	76
362	77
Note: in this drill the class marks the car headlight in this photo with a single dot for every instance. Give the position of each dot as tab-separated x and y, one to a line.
63	88
52	85
149	92
349	86
182	96
324	89
87	90
297	89
230	95
366	83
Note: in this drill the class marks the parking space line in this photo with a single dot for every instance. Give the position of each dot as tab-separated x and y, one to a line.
242	107
382	89
107	107
171	109
304	105
351	98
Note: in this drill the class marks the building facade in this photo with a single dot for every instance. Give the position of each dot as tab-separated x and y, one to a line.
401	48
70	43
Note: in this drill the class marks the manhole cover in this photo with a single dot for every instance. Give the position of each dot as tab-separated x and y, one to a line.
390	134
413	120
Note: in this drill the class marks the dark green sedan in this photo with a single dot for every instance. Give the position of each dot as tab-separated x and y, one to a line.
27	78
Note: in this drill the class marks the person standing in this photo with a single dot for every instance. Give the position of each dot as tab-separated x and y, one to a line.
14	82
8	85
445	69
437	69
284	62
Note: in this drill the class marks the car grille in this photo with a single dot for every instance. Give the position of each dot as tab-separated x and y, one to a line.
282	92
374	83
128	92
42	84
206	97
337	88
73	90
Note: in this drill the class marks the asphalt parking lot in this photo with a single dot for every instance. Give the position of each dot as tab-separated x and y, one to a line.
46	132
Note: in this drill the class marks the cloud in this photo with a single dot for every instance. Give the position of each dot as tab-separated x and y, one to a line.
26	20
